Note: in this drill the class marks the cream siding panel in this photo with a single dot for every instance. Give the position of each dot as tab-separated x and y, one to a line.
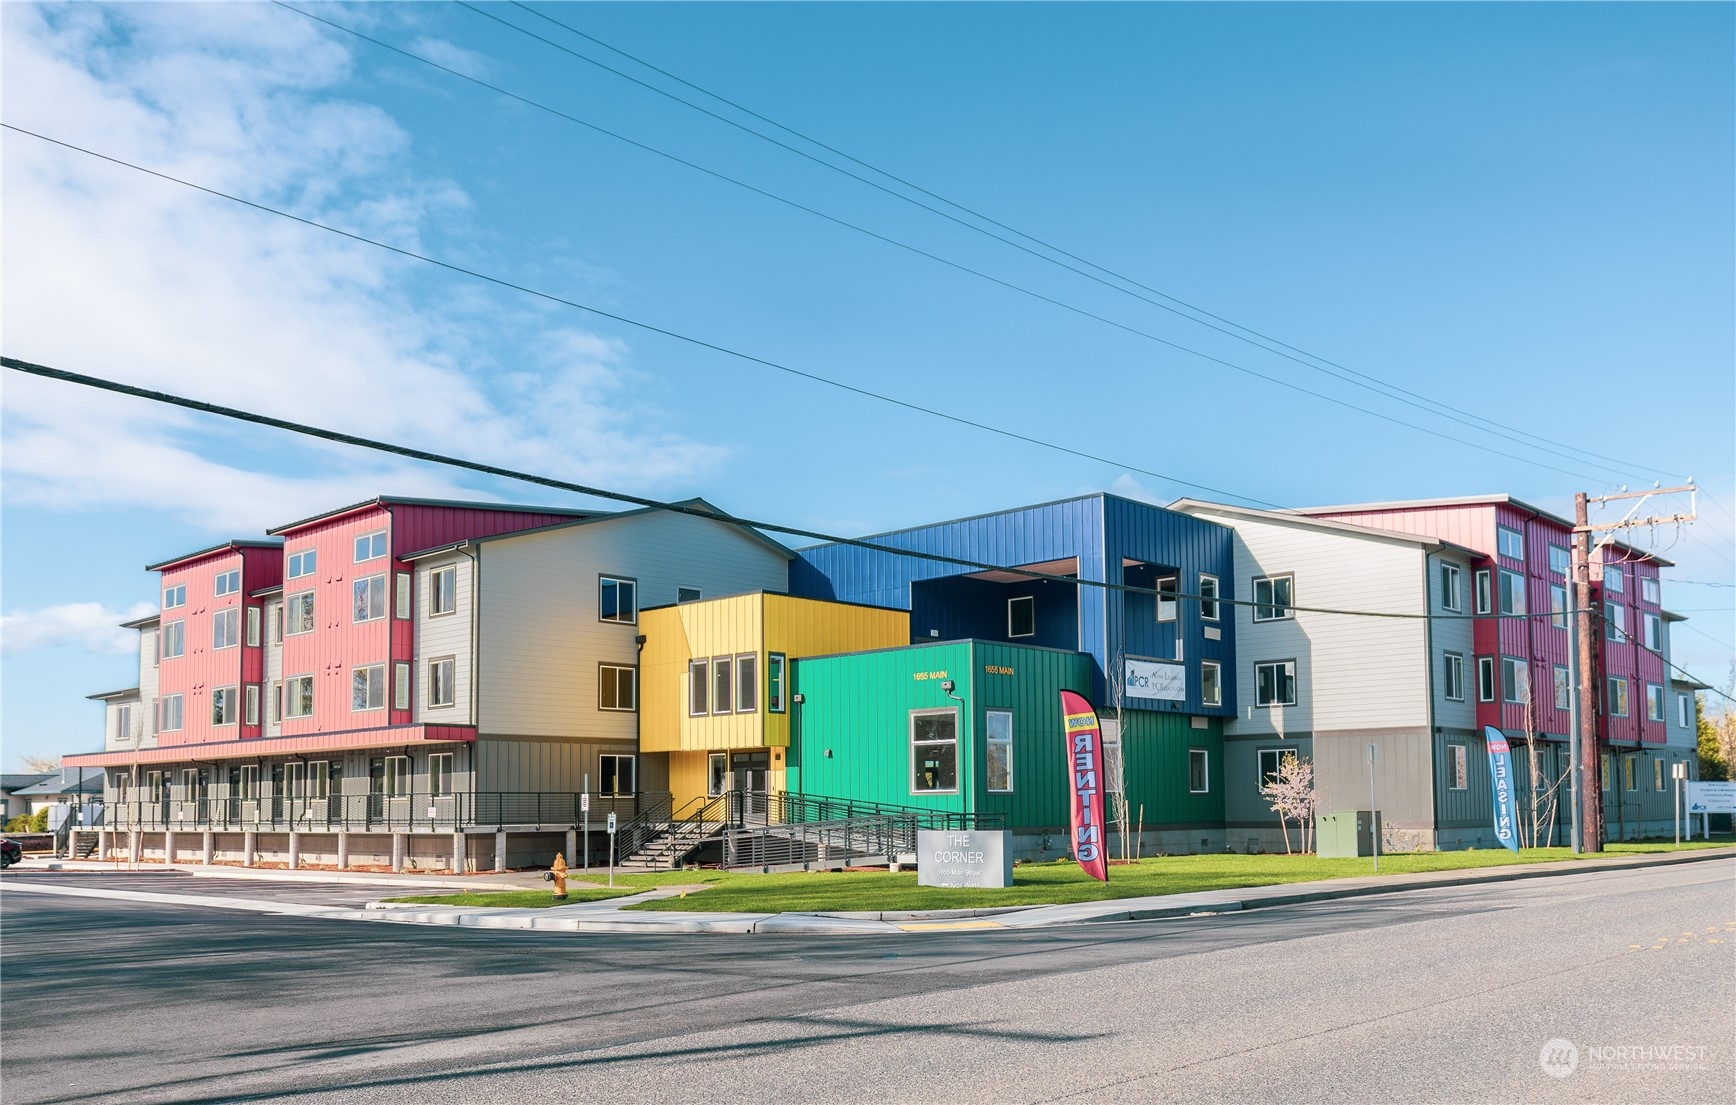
273	669
441	635
148	687
541	640
1452	633
1351	672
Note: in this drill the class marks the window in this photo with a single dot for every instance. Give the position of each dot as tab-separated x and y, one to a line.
1654	631
1509	543
276	623
1275	683
1112	764
319	779
294	780
999	730
617	600
123	722
370	602
250	704
1628	774
1650	593
722	676
688	594
1515	680
247	782
1615	621
401	685
617	687
174	640
1603	771
1558	606
1560	560
300	697
443	591
1211	683
1451	599
746	683
616	773
174	596
1685	711
1272	597
1485	601
1654	702
441	687
1563	689
1512	592
1208	598
401	596
439	774
226	628
716	774
1616	696
698	687
1022	616
253	627
1458	767
1657	775
368	687
223	706
301	564
775	682
397	777
299	613
1166	599
1614	580
1270	761
228	582
1453	676
933	752
370	546
276	702
1485	679
1198	778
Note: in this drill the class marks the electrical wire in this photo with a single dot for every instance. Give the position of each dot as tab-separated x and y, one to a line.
1368	382
920	252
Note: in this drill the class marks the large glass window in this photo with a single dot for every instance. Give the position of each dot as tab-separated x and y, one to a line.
226	628
1275	683
716	774
298	615
617	687
933	751
1649	592
1272	597
617	599
370	602
173	640
1515	680
998	726
368	687
439	774
1614	579
171	710
227	583
1654	631
1166	604
616	773
1512	592
223	706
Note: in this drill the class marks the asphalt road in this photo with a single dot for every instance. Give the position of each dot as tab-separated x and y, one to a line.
1443	995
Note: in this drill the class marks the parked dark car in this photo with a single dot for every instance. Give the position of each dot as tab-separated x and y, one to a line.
10	851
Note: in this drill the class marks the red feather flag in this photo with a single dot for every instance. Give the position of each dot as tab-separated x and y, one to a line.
1085	767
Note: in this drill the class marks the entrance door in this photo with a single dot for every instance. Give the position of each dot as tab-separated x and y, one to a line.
752	771
376	790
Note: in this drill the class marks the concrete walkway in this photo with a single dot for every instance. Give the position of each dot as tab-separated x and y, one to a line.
608	916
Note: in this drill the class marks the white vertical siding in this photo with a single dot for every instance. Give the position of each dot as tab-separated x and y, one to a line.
441	635
148	687
273	727
540	637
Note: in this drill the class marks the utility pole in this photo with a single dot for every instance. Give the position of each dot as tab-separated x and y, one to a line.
1589	777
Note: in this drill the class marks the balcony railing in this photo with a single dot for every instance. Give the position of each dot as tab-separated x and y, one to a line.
379	812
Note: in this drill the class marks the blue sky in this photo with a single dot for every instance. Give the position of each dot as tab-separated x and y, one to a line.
1524	211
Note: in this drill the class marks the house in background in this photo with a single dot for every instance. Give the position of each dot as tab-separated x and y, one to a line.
12	802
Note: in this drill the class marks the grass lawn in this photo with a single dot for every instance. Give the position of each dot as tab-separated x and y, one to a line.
1062	881
517	899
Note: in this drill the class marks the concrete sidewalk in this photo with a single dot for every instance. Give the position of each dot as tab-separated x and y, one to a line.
608	915
494	880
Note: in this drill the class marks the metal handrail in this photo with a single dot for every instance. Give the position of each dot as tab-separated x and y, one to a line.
415	811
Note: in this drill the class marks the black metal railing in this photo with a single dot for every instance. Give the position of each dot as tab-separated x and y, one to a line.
378	812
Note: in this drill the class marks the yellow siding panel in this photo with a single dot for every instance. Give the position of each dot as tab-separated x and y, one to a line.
800	627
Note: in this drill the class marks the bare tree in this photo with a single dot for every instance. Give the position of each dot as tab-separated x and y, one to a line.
40	765
1115	757
1291	796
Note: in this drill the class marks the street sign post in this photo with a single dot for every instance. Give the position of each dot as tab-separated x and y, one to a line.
585	812
611	849
1373	810
1679	774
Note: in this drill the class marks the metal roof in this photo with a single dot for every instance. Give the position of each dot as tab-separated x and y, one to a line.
142	623
236	544
695	503
1189	506
126	692
459	504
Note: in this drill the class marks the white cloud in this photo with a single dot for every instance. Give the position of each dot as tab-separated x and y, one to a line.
87	625
1129	488
115	274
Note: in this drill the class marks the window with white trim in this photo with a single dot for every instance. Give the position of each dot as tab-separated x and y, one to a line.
370	546
172	641
617	687
170	707
1452	600
998	728
300	695
747	683
1654	631
401	596
722	684
443	591
1199	778
174	596
1485	679
1483	584
698	687
1275	683
227	583
247	782
1560	560
1629	777
370	599
1510	543
716	774
1615	621
933	752
688	594
301	564
1273	596
1650	592
1271	762
617	599
1685	714
1515	680
1458	767
1453	676
1614	579
1654	702
401	685
1208	597
1022	616
616	773
1658	774
223	706
1558	606
298	613
439	774
1166	603
253	627
1616	696
319	779
1211	683
276	701
1512	592
442	689
397	779
250	704
226	628
368	687
775	674
1563	688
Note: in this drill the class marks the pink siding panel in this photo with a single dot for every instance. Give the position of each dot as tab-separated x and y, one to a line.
200	668
391	737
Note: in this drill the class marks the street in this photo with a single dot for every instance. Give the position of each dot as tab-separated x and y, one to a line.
1438	995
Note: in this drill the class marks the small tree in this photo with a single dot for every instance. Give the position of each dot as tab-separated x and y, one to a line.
40	765
1291	796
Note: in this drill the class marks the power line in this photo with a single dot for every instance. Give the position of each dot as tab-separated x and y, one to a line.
1694	628
1289	352
920	252
427	456
646	326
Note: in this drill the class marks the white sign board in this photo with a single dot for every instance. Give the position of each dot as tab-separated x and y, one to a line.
1712	797
611	823
1156	679
963	859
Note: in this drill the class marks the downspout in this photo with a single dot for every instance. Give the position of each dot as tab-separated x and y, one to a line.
475	558
1429	695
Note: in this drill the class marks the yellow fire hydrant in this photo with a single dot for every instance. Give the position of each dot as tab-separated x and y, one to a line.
558	875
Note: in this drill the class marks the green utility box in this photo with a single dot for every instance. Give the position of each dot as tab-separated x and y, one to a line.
1346	833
